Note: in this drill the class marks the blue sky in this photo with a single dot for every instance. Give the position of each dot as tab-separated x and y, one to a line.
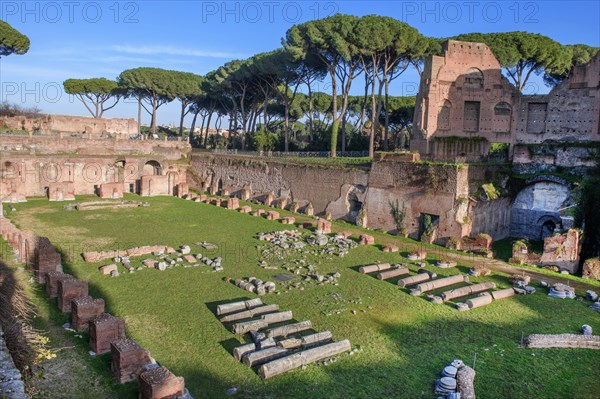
72	39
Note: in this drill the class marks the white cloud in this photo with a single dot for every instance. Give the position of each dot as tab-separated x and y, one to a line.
169	50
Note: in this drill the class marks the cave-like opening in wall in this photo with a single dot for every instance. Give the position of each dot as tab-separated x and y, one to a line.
538	208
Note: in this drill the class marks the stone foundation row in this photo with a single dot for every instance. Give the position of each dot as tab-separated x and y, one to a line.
278	344
129	361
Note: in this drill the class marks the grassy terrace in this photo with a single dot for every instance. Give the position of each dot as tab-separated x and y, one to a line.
405	341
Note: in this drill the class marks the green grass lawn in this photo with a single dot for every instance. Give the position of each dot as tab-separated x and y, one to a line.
405	341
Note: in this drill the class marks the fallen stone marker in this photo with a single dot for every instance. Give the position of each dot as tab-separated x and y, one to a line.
272	215
465	380
250	313
501	294
240	351
289	329
257	358
468	290
291	362
288	220
344	234
272	318
108	269
595	306
481	300
412	280
246	209
232	307
316	339
390	248
393	273
247	326
374	268
366	239
440	283
562	341
149	263
591	295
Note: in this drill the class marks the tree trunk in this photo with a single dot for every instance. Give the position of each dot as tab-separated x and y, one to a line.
193	127
344	133
140	115
387	115
153	122
335	126
183	106
373	111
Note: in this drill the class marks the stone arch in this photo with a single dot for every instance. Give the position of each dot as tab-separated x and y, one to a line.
474	79
538	205
547	224
502	117
152	167
444	115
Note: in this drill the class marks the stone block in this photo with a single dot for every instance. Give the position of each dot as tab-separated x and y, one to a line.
288	220
390	248
232	203
366	239
281	203
245	194
111	190
246	209
215	201
272	215
323	226
591	269
128	359
307	225
160	383
258	212
61	191
190	259
268	199
52	279
344	234
84	309
68	290
108	269
182	190
104	329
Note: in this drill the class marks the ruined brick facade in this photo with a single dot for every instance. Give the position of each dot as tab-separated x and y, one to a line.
76	125
465	104
60	168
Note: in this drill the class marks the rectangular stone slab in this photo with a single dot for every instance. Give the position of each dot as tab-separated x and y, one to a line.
289	329
393	273
248	314
285	364
263	356
247	326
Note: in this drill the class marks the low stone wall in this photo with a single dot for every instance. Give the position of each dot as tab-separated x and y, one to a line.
563	341
11	384
106	330
71	124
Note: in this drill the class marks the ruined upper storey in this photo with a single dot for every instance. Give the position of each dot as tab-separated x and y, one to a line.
465	104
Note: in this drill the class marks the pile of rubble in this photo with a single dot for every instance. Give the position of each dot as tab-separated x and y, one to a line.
456	381
255	285
562	291
165	258
521	285
298	254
